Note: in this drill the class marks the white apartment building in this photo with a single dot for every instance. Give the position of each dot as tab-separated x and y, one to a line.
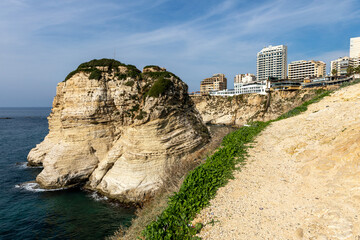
306	69
355	47
242	88
341	65
253	87
272	62
244	78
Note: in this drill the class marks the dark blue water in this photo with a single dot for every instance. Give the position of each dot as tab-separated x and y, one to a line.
26	214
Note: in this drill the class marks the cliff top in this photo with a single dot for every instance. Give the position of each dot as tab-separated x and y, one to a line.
96	69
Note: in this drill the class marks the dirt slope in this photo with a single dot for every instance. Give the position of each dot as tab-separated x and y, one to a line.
302	179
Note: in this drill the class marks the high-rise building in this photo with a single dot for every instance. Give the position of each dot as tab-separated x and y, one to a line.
216	83
272	62
355	47
303	69
244	78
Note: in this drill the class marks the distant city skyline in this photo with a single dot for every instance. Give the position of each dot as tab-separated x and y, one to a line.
43	40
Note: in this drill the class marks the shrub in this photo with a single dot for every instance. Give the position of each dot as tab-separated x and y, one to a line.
121	75
71	74
141	115
159	87
105	62
159	75
153	66
135	108
129	83
133	74
95	74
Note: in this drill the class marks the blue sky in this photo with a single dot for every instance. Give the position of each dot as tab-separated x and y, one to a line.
43	40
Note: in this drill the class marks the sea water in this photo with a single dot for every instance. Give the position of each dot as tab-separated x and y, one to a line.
29	212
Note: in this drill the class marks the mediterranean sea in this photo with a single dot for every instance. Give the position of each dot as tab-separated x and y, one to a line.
27	212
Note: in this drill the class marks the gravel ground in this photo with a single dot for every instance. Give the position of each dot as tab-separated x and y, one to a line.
301	181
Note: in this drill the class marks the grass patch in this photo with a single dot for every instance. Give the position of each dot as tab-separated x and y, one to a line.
303	107
356	81
159	87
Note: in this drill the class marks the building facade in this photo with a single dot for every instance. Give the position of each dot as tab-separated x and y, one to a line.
244	78
341	65
306	69
272	62
215	83
242	88
355	47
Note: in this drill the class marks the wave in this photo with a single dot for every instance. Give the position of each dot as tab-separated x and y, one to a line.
25	165
97	197
35	187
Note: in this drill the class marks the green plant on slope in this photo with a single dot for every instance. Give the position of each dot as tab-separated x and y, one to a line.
201	184
159	87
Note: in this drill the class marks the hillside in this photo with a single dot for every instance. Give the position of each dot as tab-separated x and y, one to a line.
301	180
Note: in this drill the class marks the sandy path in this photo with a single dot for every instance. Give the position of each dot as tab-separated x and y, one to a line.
302	179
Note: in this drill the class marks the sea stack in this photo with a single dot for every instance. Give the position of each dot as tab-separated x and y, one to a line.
117	129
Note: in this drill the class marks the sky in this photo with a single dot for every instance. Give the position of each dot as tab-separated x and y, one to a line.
43	40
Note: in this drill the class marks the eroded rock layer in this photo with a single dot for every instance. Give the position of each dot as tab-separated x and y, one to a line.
239	110
117	130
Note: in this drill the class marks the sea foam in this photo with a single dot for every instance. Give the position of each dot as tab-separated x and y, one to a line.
25	165
35	187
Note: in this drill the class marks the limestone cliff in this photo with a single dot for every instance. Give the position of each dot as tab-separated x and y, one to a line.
238	110
117	130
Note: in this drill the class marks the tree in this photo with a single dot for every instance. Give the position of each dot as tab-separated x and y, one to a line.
350	70
357	70
334	72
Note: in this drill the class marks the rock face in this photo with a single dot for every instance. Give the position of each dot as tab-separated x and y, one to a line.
238	110
117	130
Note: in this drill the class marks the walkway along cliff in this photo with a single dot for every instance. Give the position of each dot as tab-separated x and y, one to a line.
117	129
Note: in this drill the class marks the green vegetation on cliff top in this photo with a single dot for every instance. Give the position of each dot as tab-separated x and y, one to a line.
111	64
162	82
153	66
159	87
